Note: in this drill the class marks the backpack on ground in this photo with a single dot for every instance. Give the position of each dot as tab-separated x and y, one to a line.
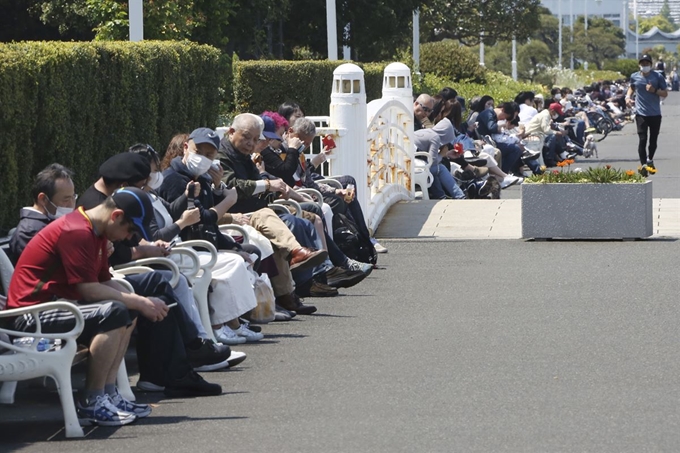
352	243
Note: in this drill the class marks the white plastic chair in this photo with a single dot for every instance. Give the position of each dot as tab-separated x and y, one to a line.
421	173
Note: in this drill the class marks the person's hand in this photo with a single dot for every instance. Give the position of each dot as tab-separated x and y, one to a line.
240	219
277	185
153	308
189	217
326	150
109	249
293	142
216	175
630	102
163	246
344	193
197	190
650	88
260	166
231	195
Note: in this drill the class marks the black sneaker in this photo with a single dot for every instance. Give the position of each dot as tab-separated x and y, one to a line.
191	385
343	278
209	356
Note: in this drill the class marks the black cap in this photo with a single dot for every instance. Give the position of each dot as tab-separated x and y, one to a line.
205	135
645	57
126	167
136	204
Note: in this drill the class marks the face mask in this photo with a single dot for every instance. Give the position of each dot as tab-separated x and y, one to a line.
155	180
61	211
502	123
554	117
645	69
558	96
490	107
198	164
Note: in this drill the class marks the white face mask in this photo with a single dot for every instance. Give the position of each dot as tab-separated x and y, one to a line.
61	211
645	69
558	96
155	180
197	164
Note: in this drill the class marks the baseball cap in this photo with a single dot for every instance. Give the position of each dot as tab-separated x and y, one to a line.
136	204
645	57
270	128
127	167
557	107
205	135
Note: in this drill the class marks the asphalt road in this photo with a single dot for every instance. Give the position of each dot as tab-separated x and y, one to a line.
470	346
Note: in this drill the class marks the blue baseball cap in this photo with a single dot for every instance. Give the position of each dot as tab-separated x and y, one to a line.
270	128
205	135
136	204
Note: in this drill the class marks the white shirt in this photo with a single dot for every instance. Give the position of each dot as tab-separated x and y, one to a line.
526	112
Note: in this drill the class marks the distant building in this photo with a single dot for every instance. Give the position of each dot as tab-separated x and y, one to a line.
621	12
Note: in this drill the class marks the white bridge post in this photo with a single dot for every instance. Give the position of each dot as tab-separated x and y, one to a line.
348	112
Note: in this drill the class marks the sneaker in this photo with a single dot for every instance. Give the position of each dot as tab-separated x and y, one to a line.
227	336
319	289
650	164
192	385
293	303
510	180
528	154
252	327
281	314
103	413
643	171
140	410
148	386
209	356
378	248
338	277
354	265
246	333
236	357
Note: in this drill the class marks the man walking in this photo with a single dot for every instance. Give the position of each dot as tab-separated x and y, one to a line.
649	87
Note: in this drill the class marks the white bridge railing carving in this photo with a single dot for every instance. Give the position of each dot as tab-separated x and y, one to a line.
374	141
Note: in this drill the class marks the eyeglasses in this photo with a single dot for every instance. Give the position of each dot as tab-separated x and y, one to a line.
425	108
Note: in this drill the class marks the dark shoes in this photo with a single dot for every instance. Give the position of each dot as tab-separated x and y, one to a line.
292	302
344	278
191	385
206	355
319	289
305	257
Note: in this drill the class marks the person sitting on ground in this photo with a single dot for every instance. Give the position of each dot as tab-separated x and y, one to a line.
67	259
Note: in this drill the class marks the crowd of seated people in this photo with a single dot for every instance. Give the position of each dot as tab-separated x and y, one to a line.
144	205
495	145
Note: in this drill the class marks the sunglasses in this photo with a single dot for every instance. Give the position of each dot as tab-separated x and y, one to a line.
425	108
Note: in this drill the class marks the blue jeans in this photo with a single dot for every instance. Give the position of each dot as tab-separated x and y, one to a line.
511	157
444	184
304	232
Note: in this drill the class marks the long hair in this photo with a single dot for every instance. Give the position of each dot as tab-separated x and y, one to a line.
175	148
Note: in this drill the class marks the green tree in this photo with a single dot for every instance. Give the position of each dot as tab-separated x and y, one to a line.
602	41
499	20
659	21
666	12
533	59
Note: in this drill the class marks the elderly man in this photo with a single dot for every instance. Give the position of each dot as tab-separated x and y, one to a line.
422	107
255	193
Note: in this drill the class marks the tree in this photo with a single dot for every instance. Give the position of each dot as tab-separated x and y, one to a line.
533	58
602	41
666	12
498	19
659	21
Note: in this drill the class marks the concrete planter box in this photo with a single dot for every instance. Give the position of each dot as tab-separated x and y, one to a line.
587	211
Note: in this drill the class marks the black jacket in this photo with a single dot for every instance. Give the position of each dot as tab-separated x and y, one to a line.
30	223
241	172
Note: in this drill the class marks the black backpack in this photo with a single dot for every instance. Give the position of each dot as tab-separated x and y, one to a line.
347	237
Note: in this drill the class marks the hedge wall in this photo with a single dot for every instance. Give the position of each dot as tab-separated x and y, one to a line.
264	84
80	103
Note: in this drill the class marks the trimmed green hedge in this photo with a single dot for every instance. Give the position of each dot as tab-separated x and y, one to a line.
452	61
80	103
264	84
499	86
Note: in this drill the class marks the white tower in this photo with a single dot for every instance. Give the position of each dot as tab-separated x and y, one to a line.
348	112
397	84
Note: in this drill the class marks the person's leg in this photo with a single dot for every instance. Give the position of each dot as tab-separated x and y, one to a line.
272	227
511	155
120	355
437	188
642	126
654	128
449	184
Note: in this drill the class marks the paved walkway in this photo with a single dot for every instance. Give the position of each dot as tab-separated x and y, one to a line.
501	219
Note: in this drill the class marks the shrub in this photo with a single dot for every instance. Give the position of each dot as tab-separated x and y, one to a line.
80	103
452	61
501	87
263	85
625	66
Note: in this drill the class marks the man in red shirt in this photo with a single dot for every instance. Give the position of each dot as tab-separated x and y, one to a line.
68	260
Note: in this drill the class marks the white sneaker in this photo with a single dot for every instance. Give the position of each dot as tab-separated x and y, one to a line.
236	357
227	336
510	180
378	248
248	335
